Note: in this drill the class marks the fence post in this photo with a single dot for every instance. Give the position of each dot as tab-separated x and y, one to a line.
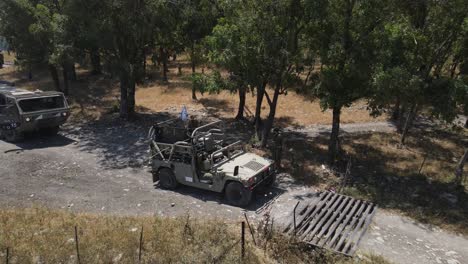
294	217
141	245
77	247
7	255
250	228
242	239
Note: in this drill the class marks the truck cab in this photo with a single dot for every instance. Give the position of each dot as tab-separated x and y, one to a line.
24	111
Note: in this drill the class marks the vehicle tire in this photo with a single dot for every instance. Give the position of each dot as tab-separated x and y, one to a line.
155	177
51	131
167	179
237	195
13	136
271	181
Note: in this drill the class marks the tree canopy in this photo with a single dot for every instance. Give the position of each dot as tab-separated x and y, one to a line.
401	56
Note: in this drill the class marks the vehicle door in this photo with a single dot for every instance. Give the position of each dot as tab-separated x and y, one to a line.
8	113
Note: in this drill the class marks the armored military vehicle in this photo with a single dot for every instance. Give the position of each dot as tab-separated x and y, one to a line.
27	111
204	158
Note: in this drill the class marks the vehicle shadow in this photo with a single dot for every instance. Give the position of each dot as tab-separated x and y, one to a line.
39	141
261	199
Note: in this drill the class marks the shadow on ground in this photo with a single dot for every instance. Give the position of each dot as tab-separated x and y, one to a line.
40	141
261	199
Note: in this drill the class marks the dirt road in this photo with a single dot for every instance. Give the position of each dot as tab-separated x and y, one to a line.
100	168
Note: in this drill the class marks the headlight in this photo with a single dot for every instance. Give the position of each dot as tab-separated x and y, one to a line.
64	114
28	119
252	180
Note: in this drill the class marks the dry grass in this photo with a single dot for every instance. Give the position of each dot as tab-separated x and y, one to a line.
9	57
93	96
43	236
292	109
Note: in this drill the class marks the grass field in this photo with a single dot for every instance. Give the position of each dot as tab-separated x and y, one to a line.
39	235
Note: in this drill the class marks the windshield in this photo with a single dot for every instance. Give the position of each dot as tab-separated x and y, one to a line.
40	104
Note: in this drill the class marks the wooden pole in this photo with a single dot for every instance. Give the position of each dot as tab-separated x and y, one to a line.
7	255
141	245
77	247
250	228
294	217
242	239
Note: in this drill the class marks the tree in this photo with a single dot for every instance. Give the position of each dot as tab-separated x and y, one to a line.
257	42
344	35
85	27
198	19
418	69
27	27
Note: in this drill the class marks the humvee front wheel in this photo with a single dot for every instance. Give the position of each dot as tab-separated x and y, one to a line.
237	195
51	131
167	179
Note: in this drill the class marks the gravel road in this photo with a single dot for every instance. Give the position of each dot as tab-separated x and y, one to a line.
100	168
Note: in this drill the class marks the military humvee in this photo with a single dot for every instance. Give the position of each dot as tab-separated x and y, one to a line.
204	158
25	111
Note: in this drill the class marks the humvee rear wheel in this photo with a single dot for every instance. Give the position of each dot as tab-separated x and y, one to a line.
237	194
167	179
13	136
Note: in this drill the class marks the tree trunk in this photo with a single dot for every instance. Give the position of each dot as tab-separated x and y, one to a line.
258	110
459	169
271	118
408	123
72	76
401	119
65	78
144	65
396	110
95	62
124	80
194	95
333	146
55	77
163	53
240	112
131	97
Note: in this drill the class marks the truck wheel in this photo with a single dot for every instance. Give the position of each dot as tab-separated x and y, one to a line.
51	131
237	194
13	136
167	179
270	181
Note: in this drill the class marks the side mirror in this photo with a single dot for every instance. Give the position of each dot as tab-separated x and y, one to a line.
236	170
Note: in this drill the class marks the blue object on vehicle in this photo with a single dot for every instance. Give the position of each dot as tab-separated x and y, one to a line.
184	114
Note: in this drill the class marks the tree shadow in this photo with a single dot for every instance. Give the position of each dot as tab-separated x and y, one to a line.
117	143
215	106
428	200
